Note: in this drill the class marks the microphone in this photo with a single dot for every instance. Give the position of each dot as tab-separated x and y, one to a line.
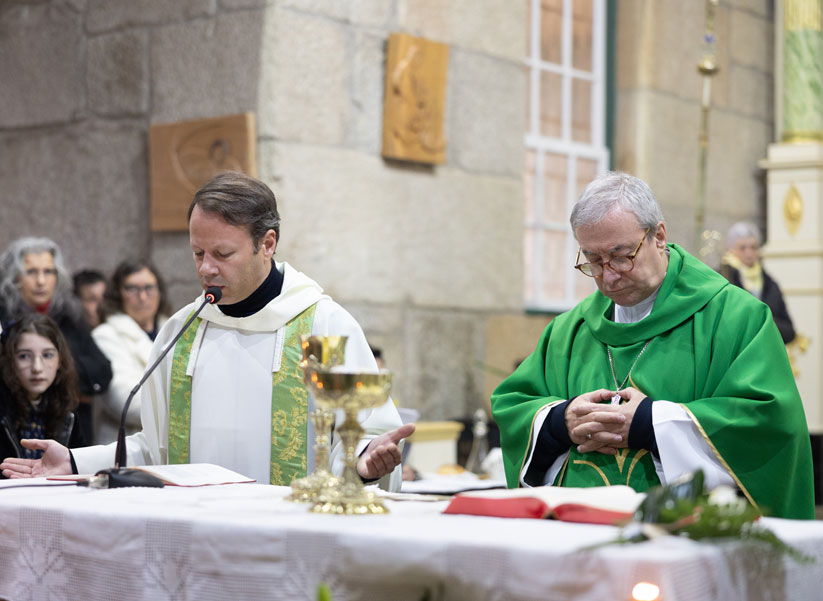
118	476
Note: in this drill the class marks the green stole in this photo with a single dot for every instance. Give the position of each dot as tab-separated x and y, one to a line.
289	403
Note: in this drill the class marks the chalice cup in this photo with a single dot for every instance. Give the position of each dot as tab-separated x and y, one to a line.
319	352
351	392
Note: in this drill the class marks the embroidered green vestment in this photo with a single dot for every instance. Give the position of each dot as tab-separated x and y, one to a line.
289	403
715	350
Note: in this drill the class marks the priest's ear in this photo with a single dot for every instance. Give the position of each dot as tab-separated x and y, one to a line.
660	238
268	243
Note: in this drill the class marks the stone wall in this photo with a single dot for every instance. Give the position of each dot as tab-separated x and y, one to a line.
421	256
428	259
658	46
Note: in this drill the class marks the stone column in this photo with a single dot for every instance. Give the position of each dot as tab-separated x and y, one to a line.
794	252
802	70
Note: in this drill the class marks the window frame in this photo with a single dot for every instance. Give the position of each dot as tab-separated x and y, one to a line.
596	150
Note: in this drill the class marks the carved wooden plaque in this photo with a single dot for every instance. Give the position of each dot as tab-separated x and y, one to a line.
415	98
185	155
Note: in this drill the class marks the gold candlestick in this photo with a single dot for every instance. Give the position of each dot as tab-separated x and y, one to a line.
708	68
350	392
325	352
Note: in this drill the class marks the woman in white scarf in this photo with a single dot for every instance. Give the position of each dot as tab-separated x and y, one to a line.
741	266
133	310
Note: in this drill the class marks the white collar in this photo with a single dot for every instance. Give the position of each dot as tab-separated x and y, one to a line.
637	312
299	292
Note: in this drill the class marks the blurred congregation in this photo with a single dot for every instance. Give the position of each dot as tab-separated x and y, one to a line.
98	332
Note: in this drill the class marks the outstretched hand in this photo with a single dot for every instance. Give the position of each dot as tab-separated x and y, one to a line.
55	461
383	454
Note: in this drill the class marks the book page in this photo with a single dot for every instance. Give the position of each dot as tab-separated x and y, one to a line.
194	474
619	498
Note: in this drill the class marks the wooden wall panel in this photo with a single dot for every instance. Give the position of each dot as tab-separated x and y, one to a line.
185	155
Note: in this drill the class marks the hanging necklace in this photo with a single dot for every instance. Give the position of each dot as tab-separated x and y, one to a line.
616	396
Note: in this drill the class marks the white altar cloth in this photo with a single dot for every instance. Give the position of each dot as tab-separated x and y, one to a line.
242	541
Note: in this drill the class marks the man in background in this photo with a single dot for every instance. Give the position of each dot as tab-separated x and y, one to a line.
89	287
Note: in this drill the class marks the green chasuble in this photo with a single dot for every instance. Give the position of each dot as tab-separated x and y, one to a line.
289	403
714	349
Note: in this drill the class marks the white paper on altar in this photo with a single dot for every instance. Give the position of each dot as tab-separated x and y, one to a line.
449	484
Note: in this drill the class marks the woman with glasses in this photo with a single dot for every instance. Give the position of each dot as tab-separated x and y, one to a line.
39	390
34	279
133	310
742	267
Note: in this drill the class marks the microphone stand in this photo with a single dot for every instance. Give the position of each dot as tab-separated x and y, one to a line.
119	476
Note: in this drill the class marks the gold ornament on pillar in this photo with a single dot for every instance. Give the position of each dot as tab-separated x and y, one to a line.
796	347
792	210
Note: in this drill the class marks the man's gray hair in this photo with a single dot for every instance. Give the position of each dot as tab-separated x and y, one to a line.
742	229
621	189
11	269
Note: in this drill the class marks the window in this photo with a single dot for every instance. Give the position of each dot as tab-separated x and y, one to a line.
565	141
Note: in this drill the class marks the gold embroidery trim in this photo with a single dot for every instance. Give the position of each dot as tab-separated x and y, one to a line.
531	437
720	458
620	458
637	457
562	474
599	471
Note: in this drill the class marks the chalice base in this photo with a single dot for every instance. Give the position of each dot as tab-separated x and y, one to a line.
309	489
337	502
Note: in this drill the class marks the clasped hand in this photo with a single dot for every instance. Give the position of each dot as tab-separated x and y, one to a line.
595	426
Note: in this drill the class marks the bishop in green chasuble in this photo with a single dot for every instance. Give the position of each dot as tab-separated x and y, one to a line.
713	349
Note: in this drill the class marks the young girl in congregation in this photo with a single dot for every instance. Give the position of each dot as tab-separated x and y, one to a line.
39	389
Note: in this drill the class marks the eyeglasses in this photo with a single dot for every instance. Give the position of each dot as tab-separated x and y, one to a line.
28	358
33	272
622	264
135	290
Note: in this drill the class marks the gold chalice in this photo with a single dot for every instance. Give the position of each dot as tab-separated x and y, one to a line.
319	352
351	392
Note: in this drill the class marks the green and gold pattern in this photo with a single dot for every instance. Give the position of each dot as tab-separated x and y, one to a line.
632	467
289	416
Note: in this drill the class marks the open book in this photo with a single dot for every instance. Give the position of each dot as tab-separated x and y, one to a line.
194	474
595	505
186	474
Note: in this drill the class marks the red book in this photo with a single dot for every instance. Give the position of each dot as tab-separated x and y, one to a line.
597	505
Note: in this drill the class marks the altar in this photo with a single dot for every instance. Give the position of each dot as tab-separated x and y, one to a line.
243	541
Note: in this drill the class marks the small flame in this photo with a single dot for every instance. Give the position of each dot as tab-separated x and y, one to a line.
645	591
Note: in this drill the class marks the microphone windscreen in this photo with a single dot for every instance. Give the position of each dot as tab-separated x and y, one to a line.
213	294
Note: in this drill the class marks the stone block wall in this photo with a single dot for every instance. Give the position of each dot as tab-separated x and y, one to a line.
428	259
658	46
422	256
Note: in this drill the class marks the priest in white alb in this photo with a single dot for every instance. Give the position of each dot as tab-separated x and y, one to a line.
230	392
